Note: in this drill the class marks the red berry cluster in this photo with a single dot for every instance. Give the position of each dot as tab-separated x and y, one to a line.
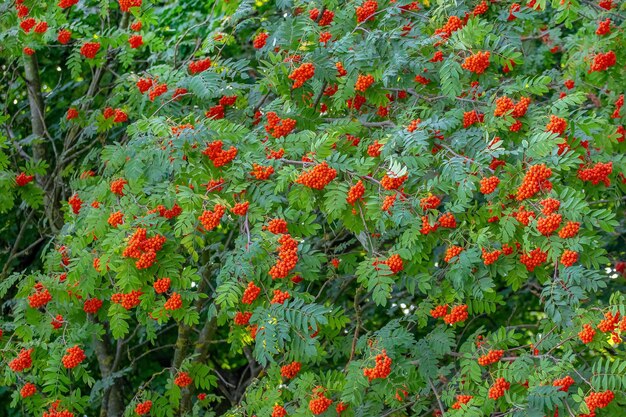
72	113
604	27
115	219
536	178
564	383
162	285
22	361
128	300
279	411
609	323
183	379
117	186
251	293
261	172
366	11
356	193
599	399
357	102
175	211
453	24
22	179
156	91
394	262
57	322
374	149
477	63
40	298
287	257
125	5
135	41
75	355
472	117
28	390
143	408
489	184
392	183
218	155
452	252
439	311
280	297
291	370
242	318
363	82
388	202
587	334
456	315
174	302
549	224
319	403
569	230
325	37
461	399
301	74
211	219
318	177
341	71
90	49
92	305
142	248
260	40
240	209
569	258
602	62
533	259
278	127
276	226
498	388
324	20
556	125
596	174
490	257
144	84
382	369
201	65
447	220
490	357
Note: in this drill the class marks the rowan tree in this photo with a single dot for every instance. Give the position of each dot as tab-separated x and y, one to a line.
297	208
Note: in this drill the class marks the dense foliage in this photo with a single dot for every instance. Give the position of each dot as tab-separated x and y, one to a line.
297	208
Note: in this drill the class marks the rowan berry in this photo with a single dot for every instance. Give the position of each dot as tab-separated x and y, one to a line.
490	357
587	334
381	370
277	226
422	80
117	186
480	8
609	323
363	82
22	179
115	219
490	257
596	174
325	19
355	193
41	297
477	63
211	219
439	311
366	11
75	355
603	61
251	293
201	65
394	262
143	408
453	24
136	26
28	390
535	179
447	220
569	258
240	209
599	399
144	84
125	5
23	361
22	11
241	319
392	183
278	411
279	297
291	370
129	300
41	27
498	388
57	322
92	305
452	252
278	127
456	315
183	379
28	24
461	399
174	302
549	224
503	105
260	40
319	403
90	49
135	41
301	74
341	407
521	107
472	117
533	259
357	102
157	90
489	184
564	383
318	177
374	149
426	227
